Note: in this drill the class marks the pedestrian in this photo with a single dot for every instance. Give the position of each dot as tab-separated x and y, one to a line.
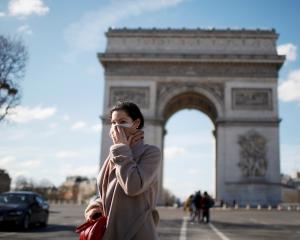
233	203
221	203
197	205
188	205
128	180
206	203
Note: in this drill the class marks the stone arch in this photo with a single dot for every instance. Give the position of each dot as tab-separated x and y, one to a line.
230	75
197	98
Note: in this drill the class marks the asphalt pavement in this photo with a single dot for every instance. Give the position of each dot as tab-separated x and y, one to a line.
227	224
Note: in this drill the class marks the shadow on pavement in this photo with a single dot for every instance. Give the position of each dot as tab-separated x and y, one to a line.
49	228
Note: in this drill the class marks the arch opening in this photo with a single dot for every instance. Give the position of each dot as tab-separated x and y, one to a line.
189	145
190	100
194	116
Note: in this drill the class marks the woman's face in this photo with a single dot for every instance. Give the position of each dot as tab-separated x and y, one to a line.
121	118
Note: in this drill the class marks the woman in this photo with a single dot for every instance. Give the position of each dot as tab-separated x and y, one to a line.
128	179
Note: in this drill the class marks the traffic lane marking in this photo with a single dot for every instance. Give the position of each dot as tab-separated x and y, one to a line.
183	229
218	232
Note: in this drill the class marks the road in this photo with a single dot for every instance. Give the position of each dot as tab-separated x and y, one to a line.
174	225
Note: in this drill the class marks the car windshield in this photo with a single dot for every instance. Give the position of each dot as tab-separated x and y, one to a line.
15	198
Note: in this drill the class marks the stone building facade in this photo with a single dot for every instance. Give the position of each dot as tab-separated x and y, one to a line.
230	75
78	189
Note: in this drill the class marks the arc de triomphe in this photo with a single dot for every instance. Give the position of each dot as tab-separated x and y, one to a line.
230	75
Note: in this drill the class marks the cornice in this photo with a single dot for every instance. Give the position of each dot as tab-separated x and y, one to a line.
260	122
191	32
207	58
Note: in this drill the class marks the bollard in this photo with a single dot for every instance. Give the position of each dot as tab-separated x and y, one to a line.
289	208
224	206
279	208
258	207
298	208
236	206
248	207
269	207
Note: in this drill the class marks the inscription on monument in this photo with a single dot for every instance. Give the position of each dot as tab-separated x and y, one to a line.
138	95
187	69
252	98
253	161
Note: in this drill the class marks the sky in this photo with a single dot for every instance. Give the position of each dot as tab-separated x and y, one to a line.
56	130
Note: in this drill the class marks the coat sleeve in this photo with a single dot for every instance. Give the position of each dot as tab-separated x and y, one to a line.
97	203
94	204
133	177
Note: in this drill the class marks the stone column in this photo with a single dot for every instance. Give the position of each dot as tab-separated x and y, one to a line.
154	133
106	141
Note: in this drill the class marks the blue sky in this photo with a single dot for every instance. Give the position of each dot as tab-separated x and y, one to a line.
56	131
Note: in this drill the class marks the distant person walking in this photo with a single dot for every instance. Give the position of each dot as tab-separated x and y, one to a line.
197	203
128	179
188	206
206	203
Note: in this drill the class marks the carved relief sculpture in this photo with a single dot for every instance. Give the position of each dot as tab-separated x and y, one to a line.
253	161
139	95
252	98
163	89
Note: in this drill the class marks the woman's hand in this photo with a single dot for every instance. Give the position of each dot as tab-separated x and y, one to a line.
135	137
93	213
118	135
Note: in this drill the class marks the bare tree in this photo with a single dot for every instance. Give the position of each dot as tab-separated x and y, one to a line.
13	58
24	184
169	197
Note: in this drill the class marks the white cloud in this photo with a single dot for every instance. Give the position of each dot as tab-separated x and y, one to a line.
24	8
49	133
66	117
31	164
78	126
2	14
53	125
83	170
16	135
6	161
17	173
25	29
172	152
86	128
21	114
289	49
66	154
87	33
289	89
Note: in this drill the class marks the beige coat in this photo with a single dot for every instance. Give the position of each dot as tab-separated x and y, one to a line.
128	186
